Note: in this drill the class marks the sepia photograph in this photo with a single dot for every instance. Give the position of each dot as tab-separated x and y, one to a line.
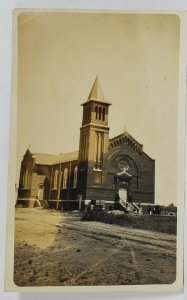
96	180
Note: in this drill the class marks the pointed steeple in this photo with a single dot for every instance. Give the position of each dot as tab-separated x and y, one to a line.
96	94
96	91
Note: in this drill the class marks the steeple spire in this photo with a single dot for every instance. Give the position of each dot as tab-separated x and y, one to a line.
96	91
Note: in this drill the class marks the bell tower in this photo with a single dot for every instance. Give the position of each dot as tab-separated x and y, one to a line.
93	146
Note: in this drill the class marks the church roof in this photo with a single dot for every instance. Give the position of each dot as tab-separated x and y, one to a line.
96	93
45	159
67	157
127	138
125	134
52	159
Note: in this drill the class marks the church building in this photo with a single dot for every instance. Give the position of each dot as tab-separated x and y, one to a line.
102	172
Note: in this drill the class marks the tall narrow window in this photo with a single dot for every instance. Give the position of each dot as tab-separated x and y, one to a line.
60	179
103	114
55	182
99	151
88	114
96	149
65	179
100	109
98	158
85	115
25	179
96	112
75	178
84	147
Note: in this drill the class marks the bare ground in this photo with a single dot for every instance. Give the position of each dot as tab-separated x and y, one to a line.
56	249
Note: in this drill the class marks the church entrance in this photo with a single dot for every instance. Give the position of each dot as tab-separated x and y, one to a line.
40	192
122	192
125	178
122	184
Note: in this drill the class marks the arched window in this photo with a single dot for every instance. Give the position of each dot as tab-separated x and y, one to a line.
55	182
96	112
88	114
60	179
25	179
75	178
103	114
85	114
100	109
65	179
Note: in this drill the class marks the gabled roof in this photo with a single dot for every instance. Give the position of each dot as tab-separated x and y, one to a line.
125	134
67	157
45	159
125	137
52	159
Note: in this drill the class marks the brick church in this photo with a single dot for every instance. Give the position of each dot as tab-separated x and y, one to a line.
102	172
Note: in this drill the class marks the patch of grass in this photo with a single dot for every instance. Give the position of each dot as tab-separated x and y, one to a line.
165	224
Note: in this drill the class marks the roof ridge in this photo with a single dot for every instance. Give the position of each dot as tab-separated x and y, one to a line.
44	153
65	158
126	134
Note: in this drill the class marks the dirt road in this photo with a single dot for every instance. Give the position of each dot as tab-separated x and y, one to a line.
55	249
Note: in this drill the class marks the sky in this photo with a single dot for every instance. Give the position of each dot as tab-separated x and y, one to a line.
137	60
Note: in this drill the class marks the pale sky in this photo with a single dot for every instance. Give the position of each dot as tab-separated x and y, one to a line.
136	59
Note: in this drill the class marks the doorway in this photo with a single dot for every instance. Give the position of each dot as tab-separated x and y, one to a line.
40	192
123	185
